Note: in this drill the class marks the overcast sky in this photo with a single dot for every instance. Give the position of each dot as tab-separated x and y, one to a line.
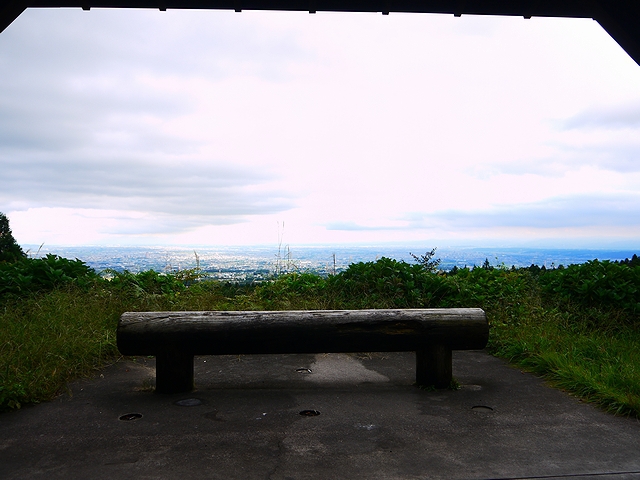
214	127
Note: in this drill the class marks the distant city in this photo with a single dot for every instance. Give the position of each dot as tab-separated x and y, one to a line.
246	263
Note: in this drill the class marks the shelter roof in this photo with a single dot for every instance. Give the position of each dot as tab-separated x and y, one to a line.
620	18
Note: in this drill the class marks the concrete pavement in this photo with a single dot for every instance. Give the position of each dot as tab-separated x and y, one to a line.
362	419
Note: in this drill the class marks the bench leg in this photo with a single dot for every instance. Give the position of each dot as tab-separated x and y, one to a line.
433	366
174	372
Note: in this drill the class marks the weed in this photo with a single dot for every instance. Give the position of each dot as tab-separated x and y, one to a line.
427	261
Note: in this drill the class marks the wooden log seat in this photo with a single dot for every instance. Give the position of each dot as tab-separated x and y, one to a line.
175	337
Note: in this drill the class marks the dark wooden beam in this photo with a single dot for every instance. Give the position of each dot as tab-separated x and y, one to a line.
309	331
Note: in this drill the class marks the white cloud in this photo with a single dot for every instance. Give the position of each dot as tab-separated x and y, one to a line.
211	126
609	117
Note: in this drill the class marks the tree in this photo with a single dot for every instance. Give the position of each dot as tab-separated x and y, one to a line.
10	251
427	261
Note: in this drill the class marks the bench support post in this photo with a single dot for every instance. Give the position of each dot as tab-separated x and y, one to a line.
433	366
174	372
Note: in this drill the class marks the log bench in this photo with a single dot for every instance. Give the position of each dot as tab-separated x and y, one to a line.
175	337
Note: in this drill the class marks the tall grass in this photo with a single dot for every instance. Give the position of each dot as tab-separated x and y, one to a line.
599	365
51	338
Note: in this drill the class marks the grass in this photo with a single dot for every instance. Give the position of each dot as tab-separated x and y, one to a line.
52	338
598	366
585	343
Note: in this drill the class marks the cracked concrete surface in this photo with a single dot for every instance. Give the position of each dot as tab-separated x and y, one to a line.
373	424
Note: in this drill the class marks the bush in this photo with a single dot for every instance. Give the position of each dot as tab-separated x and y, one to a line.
389	283
38	274
596	284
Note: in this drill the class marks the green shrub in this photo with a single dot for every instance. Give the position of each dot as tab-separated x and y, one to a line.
596	284
389	283
29	275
